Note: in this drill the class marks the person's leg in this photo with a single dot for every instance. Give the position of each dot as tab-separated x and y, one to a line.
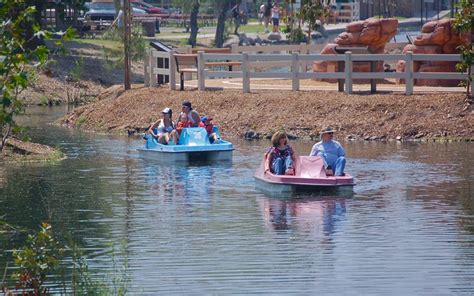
278	166
174	137
340	165
236	24
289	169
163	139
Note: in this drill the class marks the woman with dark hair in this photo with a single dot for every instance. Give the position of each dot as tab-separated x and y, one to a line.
280	157
163	130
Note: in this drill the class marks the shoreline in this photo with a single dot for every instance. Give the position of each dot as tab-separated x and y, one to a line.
17	151
434	117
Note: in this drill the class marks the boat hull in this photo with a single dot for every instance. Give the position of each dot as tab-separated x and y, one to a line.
189	156
193	146
310	176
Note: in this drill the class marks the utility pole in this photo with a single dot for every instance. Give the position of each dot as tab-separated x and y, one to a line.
127	21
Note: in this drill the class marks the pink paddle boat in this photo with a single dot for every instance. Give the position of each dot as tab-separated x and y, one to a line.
310	175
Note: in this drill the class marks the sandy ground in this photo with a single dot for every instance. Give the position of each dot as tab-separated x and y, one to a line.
358	116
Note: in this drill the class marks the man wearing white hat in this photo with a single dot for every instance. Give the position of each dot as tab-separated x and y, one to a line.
331	152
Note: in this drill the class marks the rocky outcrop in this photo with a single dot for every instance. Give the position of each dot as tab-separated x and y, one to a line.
371	33
437	37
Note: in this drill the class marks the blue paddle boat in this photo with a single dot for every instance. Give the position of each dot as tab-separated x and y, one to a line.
193	145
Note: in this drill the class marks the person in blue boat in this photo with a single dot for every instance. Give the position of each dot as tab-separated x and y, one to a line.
331	152
207	124
193	116
280	157
163	130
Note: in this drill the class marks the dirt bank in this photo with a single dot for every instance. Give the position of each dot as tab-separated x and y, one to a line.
76	77
302	114
16	150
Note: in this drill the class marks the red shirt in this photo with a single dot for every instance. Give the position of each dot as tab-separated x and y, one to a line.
208	127
180	125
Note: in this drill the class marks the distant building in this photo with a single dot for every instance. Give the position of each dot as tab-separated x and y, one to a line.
405	8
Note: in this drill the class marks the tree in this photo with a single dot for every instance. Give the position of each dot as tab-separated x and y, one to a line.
222	6
465	24
19	58
194	23
311	11
127	17
15	61
191	7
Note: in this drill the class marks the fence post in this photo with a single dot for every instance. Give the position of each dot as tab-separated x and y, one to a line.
153	64
295	68
409	73
245	73
172	71
348	72
304	49
201	77
146	74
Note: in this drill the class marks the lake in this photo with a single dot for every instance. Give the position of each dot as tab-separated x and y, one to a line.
204	229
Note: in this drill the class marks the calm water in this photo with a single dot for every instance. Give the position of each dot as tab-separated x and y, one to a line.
408	230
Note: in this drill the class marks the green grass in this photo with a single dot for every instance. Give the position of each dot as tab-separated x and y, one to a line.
109	44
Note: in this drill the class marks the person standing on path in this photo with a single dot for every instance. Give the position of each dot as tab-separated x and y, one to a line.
276	17
331	152
267	14
236	15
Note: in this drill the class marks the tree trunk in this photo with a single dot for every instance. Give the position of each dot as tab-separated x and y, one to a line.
126	40
194	24
219	37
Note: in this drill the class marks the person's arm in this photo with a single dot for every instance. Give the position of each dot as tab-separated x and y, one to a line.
152	127
268	161
314	151
340	150
196	119
293	155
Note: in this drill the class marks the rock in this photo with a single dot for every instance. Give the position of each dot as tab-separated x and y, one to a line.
292	137
372	33
249	135
437	37
373	138
274	36
399	138
419	135
131	132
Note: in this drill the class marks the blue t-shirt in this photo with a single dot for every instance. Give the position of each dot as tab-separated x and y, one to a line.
329	150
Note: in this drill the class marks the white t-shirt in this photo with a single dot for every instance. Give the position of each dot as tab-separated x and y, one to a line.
162	129
276	12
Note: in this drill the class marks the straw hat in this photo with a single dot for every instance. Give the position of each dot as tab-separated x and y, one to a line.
327	130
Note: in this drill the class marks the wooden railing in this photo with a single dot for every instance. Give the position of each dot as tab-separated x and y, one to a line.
294	68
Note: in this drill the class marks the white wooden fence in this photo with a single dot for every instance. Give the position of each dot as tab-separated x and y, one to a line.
297	70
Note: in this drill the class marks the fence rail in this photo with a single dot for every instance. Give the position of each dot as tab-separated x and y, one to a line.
296	64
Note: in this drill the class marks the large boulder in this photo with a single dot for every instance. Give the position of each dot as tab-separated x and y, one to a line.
437	37
371	33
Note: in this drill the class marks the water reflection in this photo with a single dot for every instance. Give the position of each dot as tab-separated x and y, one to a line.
314	216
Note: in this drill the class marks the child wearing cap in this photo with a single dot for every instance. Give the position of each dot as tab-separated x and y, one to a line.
206	123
